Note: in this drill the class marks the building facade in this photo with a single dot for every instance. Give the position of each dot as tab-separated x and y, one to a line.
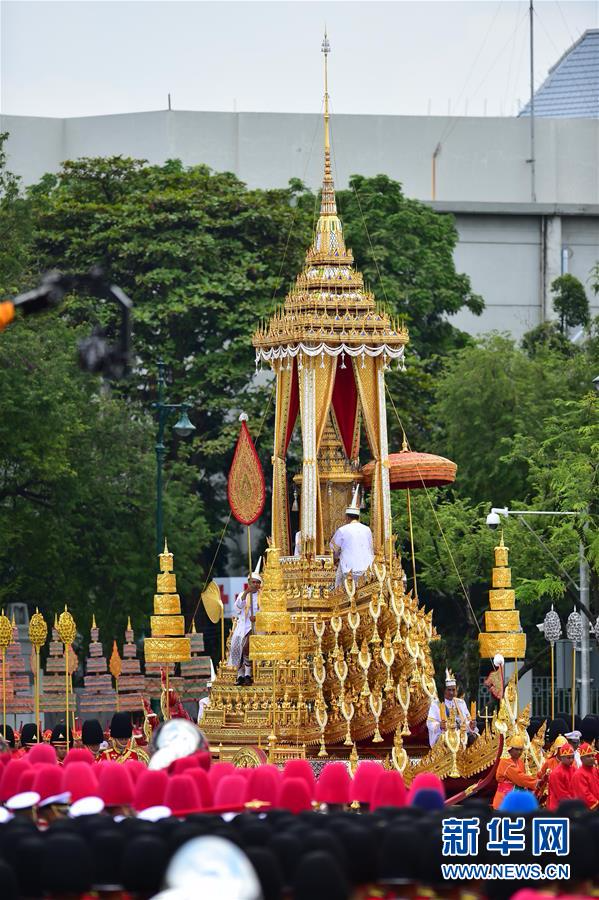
476	168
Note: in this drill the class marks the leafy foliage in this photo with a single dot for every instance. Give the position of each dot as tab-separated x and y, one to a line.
15	228
76	486
570	301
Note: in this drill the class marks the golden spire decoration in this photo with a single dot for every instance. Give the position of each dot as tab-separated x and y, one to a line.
503	632
329	298
328	204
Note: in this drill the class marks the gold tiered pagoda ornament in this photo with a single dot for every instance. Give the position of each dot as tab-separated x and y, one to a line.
503	632
168	643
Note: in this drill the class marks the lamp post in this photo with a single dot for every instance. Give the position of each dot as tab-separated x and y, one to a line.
182	428
582	588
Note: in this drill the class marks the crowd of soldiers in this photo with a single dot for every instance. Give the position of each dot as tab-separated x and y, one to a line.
109	818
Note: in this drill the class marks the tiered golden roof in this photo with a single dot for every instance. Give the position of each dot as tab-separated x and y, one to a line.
503	632
168	643
329	303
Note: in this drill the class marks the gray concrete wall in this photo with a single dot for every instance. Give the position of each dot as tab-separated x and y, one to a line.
480	158
510	248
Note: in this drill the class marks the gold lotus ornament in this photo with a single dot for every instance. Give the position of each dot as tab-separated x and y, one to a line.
322	717
319	670
379	572
375	608
67	629
353	620
38	630
341	668
399	757
347	711
403	696
376	708
388	657
364	659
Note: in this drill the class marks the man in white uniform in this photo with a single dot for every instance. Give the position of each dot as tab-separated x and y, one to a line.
247	605
352	544
436	725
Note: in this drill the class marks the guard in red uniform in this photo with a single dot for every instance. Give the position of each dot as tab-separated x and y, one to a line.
511	772
560	777
122	745
550	763
585	780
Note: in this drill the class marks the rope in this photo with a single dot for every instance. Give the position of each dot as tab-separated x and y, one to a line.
440	527
226	525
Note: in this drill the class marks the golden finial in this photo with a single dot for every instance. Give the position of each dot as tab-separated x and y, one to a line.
94	620
166	559
193	626
66	627
129	623
55	619
5	631
326	49
404	444
38	630
13	621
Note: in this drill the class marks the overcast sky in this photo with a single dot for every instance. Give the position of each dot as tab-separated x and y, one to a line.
87	57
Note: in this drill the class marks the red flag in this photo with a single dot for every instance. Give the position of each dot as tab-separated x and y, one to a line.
246	490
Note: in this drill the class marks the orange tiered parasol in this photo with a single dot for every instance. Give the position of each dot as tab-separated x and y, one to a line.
409	469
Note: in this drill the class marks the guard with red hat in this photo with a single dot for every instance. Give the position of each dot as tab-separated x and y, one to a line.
559	786
122	744
585	780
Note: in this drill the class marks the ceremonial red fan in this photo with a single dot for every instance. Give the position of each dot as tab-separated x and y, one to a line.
246	490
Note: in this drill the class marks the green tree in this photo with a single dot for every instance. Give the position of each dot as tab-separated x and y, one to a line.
570	301
76	487
491	392
15	229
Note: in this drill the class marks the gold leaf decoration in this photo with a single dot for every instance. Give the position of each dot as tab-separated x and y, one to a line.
66	627
38	630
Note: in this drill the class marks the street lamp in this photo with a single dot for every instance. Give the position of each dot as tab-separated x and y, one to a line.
493	520
182	428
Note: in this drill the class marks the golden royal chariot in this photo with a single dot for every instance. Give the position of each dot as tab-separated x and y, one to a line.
344	671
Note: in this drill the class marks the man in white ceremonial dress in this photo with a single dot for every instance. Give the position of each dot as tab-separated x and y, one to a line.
247	605
437	723
352	544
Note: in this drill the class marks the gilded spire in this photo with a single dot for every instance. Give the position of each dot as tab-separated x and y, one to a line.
328	206
329	302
